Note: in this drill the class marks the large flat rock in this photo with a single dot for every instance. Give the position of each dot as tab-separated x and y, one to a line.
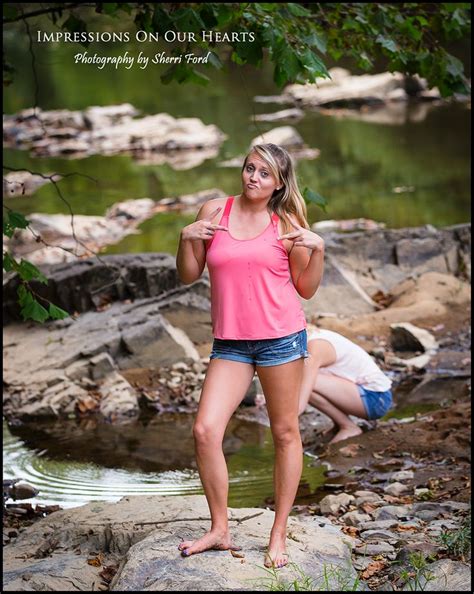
142	534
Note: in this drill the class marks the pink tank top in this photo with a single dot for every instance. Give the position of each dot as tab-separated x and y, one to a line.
252	293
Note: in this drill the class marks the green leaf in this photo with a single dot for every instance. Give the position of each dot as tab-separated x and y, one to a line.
8	230
110	7
317	40
161	21
186	19
312	196
18	220
215	60
249	52
223	14
56	313
34	311
197	77
24	296
28	271
313	64
74	24
8	262
10	11
297	10
454	66
387	43
287	63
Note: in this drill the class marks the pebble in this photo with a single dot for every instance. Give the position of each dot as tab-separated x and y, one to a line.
395	489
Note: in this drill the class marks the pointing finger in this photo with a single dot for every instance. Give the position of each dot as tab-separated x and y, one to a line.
294	222
213	214
291	235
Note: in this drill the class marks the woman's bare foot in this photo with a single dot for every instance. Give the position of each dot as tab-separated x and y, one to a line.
211	540
345	433
276	555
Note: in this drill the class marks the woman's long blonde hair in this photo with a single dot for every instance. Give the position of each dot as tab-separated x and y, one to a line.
288	199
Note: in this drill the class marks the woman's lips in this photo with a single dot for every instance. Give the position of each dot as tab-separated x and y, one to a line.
252	186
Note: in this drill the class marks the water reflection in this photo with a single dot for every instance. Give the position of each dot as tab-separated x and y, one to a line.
360	164
74	462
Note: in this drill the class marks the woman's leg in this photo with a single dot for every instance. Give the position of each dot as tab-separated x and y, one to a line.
337	398
224	388
281	386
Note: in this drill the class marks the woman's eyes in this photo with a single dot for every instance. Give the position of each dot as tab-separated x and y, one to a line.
264	173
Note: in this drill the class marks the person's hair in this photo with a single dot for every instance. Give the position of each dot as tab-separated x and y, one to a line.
288	199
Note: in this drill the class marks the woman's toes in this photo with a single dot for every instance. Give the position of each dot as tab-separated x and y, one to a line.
185	544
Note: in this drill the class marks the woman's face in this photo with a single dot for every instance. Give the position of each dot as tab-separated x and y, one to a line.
257	179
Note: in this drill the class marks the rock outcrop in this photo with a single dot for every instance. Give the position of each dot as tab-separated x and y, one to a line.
131	311
110	130
139	536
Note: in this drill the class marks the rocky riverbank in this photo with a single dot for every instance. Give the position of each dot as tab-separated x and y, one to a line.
394	515
138	340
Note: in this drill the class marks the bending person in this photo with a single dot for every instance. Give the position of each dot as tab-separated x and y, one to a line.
261	256
342	380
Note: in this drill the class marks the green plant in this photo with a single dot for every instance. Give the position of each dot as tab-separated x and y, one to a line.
457	542
27	297
416	576
333	577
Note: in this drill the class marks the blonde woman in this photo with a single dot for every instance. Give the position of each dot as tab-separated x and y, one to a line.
261	255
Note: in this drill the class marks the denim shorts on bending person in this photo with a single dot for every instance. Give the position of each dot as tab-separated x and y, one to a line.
376	404
265	352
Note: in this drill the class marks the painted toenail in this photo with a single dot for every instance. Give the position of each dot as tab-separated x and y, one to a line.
185	552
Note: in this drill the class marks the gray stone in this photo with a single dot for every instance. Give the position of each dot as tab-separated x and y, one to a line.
354	518
141	534
379	525
421	255
395	489
78	369
374	549
377	534
445	575
331	504
101	365
391	512
408	337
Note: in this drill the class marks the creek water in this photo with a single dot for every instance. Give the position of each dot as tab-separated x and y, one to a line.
403	174
74	462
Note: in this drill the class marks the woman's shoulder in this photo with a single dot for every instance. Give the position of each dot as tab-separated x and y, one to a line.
211	205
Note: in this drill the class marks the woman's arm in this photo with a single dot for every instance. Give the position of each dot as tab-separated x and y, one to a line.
306	270
322	354
191	256
306	260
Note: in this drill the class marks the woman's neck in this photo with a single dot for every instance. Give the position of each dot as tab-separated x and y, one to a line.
247	206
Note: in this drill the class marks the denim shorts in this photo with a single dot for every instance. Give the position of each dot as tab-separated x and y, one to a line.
376	404
266	352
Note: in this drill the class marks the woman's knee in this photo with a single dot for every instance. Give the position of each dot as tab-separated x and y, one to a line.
206	435
285	434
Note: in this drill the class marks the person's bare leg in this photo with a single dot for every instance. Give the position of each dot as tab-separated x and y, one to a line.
337	398
224	387
322	354
281	386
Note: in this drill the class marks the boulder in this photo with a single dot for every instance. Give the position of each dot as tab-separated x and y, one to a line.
139	536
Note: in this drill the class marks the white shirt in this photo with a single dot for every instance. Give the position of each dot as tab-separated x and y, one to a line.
352	362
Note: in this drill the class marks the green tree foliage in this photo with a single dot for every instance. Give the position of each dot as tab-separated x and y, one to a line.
297	37
31	308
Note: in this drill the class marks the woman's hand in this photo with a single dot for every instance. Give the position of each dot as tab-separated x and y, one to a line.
304	237
202	229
